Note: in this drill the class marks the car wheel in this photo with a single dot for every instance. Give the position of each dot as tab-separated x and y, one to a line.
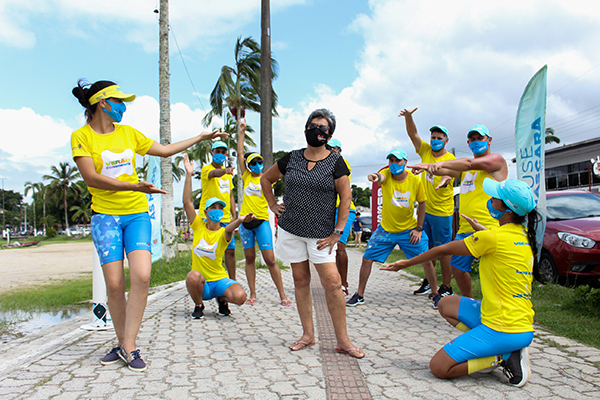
546	271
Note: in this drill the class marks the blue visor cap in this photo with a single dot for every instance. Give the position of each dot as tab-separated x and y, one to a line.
214	200
481	129
334	143
398	153
516	194
218	144
439	128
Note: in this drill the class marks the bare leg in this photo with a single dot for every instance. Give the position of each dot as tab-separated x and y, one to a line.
446	270
444	367
448	308
341	261
330	279
431	276
357	240
251	270
195	286
235	294
140	268
301	274
365	272
463	280
114	277
269	256
230	262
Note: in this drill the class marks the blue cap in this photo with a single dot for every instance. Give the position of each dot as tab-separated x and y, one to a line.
398	153
481	129
516	194
334	143
218	144
439	128
214	200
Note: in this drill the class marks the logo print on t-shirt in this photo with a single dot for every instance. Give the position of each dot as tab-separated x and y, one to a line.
252	189
117	164
203	249
223	185
468	183
430	177
400	199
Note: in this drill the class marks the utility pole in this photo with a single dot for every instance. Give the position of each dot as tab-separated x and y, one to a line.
166	169
266	127
3	208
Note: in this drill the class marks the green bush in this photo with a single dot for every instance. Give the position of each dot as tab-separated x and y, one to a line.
586	300
51	232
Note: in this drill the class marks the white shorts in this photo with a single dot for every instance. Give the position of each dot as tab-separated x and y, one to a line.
295	249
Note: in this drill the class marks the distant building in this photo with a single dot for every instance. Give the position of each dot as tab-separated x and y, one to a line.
569	166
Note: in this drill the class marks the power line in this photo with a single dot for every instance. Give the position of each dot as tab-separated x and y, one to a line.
185	66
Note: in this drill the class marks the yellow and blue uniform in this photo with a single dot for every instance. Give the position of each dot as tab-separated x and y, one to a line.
351	214
219	187
503	321
207	252
439	209
398	218
254	202
473	202
120	221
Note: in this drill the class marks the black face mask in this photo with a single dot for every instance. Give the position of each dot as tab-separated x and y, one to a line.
312	137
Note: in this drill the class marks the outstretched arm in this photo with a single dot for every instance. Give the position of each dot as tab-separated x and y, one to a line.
433	168
455	248
411	128
240	147
188	206
168	150
233	225
491	163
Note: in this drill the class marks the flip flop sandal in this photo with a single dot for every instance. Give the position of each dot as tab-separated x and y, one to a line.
352	352
251	301
286	302
302	345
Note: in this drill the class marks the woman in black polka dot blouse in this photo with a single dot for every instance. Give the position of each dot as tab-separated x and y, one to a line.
313	176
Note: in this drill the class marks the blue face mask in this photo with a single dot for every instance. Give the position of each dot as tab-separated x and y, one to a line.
437	145
478	147
256	168
495	213
215	215
219	158
396	169
117	110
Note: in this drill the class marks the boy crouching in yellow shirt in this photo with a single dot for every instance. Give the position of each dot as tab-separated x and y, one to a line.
208	279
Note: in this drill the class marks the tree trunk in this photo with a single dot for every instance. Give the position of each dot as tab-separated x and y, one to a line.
45	224
266	128
240	181
66	213
166	169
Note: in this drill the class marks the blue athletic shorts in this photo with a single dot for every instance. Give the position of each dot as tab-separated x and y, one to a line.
438	229
231	245
462	263
262	234
216	288
482	341
382	243
348	226
113	234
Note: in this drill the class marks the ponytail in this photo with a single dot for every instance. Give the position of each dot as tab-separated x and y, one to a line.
84	90
533	218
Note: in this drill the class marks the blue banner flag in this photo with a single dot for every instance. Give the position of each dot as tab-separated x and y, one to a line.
530	133
154	207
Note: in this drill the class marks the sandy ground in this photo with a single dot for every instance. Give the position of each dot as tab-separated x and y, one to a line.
39	265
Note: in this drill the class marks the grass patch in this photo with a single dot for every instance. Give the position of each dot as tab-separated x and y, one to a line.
51	297
44	240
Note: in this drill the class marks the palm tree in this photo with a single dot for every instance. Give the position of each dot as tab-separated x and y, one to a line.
178	172
35	188
238	87
62	182
551	136
83	211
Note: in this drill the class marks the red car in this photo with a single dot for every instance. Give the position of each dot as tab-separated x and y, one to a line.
571	246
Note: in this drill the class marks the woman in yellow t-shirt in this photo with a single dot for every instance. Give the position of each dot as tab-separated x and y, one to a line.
498	329
105	155
259	229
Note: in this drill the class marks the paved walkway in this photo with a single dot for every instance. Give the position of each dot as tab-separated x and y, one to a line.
246	356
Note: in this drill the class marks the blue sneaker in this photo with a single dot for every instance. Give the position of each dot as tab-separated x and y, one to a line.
112	357
133	360
355	300
435	301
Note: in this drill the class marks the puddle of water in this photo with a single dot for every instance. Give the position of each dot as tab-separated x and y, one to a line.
17	324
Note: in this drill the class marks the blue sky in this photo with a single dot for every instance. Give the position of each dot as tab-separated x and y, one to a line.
461	62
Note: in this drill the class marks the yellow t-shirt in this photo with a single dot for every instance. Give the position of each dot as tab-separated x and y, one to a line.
473	201
337	200
399	198
216	187
114	156
208	250
439	202
506	273
254	201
